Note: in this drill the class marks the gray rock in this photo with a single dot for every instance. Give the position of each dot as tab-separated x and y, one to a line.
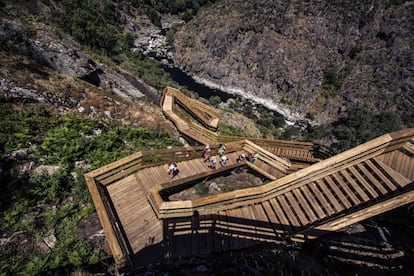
201	268
65	56
354	229
26	167
279	54
50	241
213	187
6	240
49	169
10	91
19	154
183	141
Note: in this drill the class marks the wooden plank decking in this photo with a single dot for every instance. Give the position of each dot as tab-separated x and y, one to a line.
142	226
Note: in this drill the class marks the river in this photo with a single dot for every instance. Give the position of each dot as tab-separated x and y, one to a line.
206	92
203	91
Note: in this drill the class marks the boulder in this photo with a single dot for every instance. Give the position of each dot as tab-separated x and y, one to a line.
20	154
49	169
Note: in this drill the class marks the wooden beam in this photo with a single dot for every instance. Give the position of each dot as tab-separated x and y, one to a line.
367	212
105	221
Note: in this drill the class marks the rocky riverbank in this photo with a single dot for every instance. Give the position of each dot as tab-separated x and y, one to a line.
301	58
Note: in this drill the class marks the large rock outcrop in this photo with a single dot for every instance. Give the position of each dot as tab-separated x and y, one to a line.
45	46
305	57
39	66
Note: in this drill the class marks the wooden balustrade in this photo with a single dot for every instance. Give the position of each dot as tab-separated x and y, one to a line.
303	152
289	182
300	201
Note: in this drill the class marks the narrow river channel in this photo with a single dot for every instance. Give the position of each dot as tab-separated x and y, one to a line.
205	92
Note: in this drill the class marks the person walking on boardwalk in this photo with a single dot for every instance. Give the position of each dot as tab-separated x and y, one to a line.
223	160
172	169
221	149
254	157
241	158
206	153
213	163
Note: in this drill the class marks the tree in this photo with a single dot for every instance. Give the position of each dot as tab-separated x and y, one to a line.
214	100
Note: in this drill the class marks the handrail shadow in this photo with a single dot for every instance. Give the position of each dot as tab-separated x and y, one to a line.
209	233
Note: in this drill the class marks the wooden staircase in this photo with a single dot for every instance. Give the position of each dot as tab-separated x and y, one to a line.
204	130
298	204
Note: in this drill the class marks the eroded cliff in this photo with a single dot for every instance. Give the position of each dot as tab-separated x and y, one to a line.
305	57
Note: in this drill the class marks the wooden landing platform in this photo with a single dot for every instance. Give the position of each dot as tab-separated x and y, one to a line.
301	202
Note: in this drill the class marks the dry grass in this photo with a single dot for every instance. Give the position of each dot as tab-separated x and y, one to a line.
78	96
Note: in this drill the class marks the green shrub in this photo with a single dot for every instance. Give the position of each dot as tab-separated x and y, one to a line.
355	51
362	125
186	9
92	23
169	36
149	71
331	82
230	130
39	204
214	100
290	133
20	127
201	189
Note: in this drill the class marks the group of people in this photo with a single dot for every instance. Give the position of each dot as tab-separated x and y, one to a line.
206	154
251	157
212	161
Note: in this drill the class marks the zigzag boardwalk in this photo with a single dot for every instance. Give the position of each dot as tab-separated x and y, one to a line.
142	226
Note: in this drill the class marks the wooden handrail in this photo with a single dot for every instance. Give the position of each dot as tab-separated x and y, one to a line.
368	162
206	115
257	194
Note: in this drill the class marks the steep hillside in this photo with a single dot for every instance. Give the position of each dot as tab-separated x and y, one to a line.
305	57
78	91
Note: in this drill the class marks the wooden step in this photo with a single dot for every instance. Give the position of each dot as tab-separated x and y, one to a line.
290	215
342	198
364	183
344	186
330	197
314	205
372	180
348	179
401	180
289	229
273	219
313	187
388	182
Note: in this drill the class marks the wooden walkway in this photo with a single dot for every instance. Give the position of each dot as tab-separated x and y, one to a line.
142	226
304	152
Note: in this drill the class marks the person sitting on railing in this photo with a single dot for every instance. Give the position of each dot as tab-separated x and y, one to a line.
241	158
206	153
221	149
213	163
223	160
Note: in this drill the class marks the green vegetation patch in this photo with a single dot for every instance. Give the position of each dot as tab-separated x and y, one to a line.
186	9
36	206
93	23
359	126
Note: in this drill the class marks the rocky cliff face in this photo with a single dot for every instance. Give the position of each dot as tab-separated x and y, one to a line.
40	66
300	57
